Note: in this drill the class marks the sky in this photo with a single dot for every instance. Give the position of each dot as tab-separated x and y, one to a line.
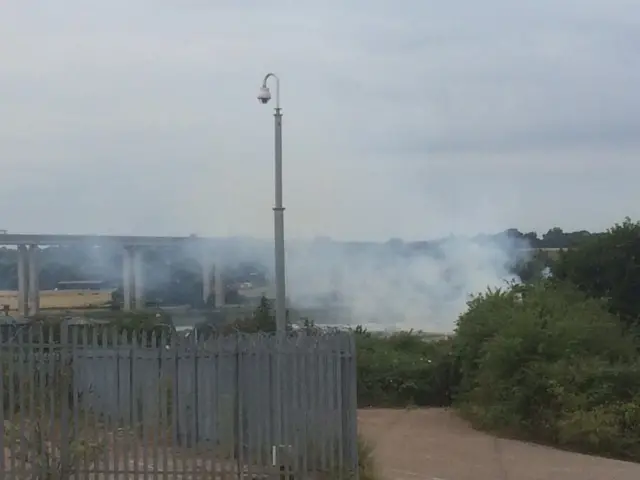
411	119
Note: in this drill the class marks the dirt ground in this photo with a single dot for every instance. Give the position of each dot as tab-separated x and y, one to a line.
60	299
434	444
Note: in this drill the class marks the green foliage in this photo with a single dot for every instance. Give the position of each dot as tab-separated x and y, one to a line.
607	266
148	328
403	369
548	364
531	270
262	320
118	327
554	238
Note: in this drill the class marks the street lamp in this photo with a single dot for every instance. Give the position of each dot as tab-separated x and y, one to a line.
278	210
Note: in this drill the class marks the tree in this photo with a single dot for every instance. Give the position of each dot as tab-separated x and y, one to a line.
557	238
607	266
533	269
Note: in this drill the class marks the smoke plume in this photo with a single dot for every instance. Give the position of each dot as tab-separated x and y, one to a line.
394	285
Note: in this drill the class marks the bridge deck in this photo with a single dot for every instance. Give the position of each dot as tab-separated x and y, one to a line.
29	239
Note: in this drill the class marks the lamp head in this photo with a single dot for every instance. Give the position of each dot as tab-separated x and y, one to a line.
265	95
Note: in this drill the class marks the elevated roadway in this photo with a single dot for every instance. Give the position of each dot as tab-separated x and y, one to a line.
132	267
125	240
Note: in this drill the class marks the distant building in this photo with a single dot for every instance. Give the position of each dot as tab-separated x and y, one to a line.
81	285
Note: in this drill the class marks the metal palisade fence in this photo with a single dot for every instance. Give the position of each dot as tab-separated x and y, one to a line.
94	402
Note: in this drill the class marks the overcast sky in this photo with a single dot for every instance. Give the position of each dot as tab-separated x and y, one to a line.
407	119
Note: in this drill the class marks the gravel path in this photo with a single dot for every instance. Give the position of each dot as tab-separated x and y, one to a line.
434	444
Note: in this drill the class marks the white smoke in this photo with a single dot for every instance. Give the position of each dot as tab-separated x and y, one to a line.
393	287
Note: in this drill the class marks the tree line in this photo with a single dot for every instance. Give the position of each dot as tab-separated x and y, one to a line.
173	265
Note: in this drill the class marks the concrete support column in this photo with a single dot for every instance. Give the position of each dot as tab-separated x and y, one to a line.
138	278
207	279
218	284
127	278
34	280
23	286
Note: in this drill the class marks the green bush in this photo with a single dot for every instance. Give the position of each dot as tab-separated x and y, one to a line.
404	369
546	363
607	266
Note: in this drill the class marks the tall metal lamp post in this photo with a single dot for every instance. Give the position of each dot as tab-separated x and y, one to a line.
278	210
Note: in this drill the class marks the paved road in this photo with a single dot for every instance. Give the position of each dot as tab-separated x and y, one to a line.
433	444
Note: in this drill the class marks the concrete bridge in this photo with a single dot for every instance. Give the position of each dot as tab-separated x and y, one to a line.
132	265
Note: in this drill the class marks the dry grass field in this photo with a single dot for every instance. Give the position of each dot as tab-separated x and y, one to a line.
61	299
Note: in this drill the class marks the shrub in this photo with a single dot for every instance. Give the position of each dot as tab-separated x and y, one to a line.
551	365
403	369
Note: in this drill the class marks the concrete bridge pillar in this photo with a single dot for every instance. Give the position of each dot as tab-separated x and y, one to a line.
138	279
207	279
23	285
127	278
212	281
34	280
218	284
28	280
133	278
